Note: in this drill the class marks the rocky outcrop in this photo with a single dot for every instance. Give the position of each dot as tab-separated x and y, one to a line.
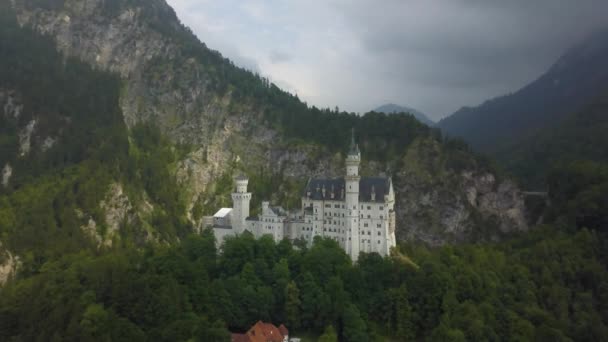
117	209
25	138
9	265
11	105
436	205
7	172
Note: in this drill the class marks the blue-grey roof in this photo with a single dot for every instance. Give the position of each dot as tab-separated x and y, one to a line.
279	211
379	185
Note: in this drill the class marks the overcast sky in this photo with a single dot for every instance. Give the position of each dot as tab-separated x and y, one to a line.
435	56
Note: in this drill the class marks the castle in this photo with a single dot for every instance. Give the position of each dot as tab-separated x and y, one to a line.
357	212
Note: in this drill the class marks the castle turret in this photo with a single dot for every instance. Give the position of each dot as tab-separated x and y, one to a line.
240	204
352	179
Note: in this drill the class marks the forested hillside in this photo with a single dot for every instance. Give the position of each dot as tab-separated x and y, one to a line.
581	135
572	82
547	286
64	141
393	109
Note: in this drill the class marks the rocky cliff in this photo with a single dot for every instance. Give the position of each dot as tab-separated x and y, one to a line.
174	81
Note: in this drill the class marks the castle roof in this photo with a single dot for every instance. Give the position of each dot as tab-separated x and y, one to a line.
367	185
279	211
223	212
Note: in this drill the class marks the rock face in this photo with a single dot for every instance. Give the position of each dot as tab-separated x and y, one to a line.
9	265
436	205
10	104
7	172
118	210
167	85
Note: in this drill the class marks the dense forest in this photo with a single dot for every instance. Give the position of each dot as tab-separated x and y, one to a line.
581	135
548	285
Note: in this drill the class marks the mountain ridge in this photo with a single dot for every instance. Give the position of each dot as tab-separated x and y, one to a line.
570	83
391	108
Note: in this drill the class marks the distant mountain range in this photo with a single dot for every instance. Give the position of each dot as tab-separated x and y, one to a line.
393	108
571	83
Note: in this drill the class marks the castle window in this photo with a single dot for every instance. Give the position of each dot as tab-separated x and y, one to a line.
369	216
381	217
378	241
369	233
379	234
365	225
381	208
369	207
361	215
379	225
328	206
337	206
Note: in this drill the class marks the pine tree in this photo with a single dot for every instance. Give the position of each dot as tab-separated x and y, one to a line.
292	305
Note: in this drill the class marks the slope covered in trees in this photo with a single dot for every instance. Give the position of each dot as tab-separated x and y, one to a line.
581	135
548	286
573	81
392	108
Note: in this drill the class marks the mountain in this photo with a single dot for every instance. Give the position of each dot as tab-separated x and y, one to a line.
193	120
393	108
573	81
579	136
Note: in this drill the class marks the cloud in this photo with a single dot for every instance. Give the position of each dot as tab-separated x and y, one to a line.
431	55
277	57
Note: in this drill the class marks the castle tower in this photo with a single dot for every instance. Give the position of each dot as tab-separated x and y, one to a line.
240	204
352	179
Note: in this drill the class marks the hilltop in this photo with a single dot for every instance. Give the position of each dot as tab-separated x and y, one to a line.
393	108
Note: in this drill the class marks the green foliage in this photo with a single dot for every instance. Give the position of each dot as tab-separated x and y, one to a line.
579	136
579	194
547	285
53	193
329	335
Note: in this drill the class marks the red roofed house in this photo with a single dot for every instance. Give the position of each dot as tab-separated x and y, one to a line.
263	332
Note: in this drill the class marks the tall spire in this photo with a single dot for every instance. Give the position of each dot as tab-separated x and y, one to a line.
354	148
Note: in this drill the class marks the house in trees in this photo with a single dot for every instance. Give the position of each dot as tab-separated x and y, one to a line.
263	332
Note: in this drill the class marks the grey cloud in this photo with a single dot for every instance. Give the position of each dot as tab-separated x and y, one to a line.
476	44
434	55
279	57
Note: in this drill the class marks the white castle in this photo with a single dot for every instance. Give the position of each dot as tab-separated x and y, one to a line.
357	212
